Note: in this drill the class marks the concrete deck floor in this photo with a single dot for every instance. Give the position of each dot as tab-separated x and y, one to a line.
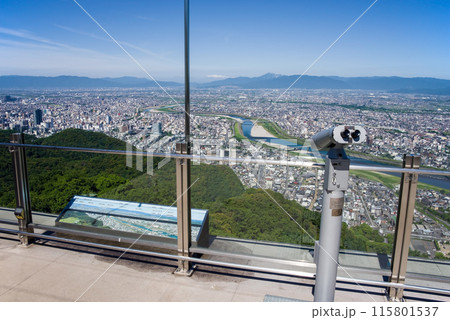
55	271
50	271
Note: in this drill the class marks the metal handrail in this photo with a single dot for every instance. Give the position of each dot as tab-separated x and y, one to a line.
219	253
192	157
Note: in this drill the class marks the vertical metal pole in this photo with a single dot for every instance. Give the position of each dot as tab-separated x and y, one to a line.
183	166
183	211
187	90
403	228
335	183
22	189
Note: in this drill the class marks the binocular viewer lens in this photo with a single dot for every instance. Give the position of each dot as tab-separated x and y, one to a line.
356	134
346	135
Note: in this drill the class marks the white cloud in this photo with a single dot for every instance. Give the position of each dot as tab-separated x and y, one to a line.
32	40
106	38
22	52
216	76
23	34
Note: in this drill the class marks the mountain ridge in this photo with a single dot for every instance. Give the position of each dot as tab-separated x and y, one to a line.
391	83
426	85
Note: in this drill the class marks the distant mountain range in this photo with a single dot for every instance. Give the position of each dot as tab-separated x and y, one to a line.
394	84
269	81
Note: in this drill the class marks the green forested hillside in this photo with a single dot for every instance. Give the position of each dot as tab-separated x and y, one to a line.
56	176
82	139
210	183
364	238
254	215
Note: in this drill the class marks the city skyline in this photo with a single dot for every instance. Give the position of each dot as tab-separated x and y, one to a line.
228	39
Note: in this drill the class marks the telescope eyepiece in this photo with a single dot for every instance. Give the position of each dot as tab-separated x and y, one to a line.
356	134
345	134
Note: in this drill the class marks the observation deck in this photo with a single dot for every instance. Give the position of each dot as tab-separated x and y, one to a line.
53	263
63	271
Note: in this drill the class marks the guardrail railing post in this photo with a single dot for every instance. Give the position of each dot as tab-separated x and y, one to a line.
183	173
22	189
403	228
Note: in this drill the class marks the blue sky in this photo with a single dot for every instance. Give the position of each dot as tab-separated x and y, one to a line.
228	38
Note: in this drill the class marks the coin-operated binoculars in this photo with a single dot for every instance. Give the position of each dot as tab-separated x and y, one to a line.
335	184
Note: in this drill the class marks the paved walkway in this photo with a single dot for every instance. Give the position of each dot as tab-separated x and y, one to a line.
61	272
52	271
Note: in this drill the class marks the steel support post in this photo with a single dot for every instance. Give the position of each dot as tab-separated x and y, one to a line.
183	166
405	215
183	172
335	184
22	189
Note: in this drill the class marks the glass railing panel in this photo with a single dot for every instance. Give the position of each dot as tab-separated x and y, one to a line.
101	193
142	208
56	176
255	210
368	228
429	252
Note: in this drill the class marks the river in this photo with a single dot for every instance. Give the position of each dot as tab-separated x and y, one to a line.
437	181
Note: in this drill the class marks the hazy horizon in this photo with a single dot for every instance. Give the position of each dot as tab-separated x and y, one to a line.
212	79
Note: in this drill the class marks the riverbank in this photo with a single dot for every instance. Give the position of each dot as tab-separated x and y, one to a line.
259	131
238	131
279	133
